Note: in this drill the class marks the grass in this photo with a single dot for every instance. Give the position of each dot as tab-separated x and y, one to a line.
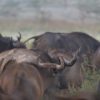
90	84
91	80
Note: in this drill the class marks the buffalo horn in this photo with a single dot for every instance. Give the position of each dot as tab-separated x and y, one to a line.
73	60
19	37
51	65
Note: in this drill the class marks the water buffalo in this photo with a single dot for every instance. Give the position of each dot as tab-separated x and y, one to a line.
42	61
7	43
35	57
24	80
70	41
63	44
25	55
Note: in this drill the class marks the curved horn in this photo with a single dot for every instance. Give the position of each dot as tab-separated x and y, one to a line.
19	37
73	60
51	65
34	37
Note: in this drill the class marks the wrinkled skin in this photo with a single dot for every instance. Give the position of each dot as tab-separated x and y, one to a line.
37	58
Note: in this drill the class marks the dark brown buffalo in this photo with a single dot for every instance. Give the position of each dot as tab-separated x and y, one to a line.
67	41
35	57
22	81
7	43
39	59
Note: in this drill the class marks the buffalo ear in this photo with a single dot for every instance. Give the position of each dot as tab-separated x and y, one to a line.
19	37
18	45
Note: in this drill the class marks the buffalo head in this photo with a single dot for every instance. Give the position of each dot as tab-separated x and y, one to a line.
17	43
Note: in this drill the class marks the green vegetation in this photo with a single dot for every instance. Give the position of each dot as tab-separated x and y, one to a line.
91	80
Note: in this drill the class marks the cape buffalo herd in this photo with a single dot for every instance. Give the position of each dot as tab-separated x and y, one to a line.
55	62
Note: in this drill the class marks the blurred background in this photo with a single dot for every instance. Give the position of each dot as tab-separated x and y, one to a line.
32	17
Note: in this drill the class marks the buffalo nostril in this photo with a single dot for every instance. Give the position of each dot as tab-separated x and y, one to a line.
62	83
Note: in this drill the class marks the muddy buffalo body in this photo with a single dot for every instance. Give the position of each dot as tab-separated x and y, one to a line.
28	72
36	57
21	82
7	43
